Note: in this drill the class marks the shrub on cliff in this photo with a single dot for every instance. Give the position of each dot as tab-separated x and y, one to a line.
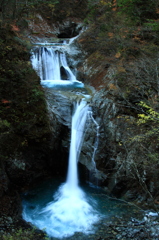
22	102
139	10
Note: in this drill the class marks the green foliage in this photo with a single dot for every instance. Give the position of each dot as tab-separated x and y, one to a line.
148	136
49	3
96	8
37	94
4	124
154	157
138	10
24	235
152	25
22	102
14	9
149	114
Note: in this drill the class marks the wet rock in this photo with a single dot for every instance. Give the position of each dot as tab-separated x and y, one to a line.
40	30
60	106
69	29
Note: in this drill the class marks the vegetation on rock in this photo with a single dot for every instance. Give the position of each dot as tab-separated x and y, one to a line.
21	234
22	104
122	45
24	123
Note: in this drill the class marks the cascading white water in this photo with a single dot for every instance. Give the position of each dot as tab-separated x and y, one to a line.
47	61
70	211
77	131
96	140
70	75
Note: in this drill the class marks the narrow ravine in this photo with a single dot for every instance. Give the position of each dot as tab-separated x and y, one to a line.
65	208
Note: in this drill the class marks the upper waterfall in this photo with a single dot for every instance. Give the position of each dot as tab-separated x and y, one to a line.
50	63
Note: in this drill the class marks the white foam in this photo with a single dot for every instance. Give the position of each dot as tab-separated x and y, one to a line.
61	83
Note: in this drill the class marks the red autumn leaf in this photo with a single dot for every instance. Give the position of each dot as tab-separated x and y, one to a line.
5	101
110	34
15	28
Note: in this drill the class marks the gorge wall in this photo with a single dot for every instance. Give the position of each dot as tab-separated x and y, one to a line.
120	78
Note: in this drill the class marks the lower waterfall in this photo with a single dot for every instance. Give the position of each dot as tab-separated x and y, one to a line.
70	211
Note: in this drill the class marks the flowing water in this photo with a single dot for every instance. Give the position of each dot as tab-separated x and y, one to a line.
50	63
62	210
83	216
70	210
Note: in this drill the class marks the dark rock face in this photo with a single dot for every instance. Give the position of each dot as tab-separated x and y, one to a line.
59	105
38	160
122	158
69	30
42	31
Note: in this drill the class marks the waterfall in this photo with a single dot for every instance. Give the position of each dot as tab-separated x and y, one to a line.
70	75
77	130
96	140
48	62
70	211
